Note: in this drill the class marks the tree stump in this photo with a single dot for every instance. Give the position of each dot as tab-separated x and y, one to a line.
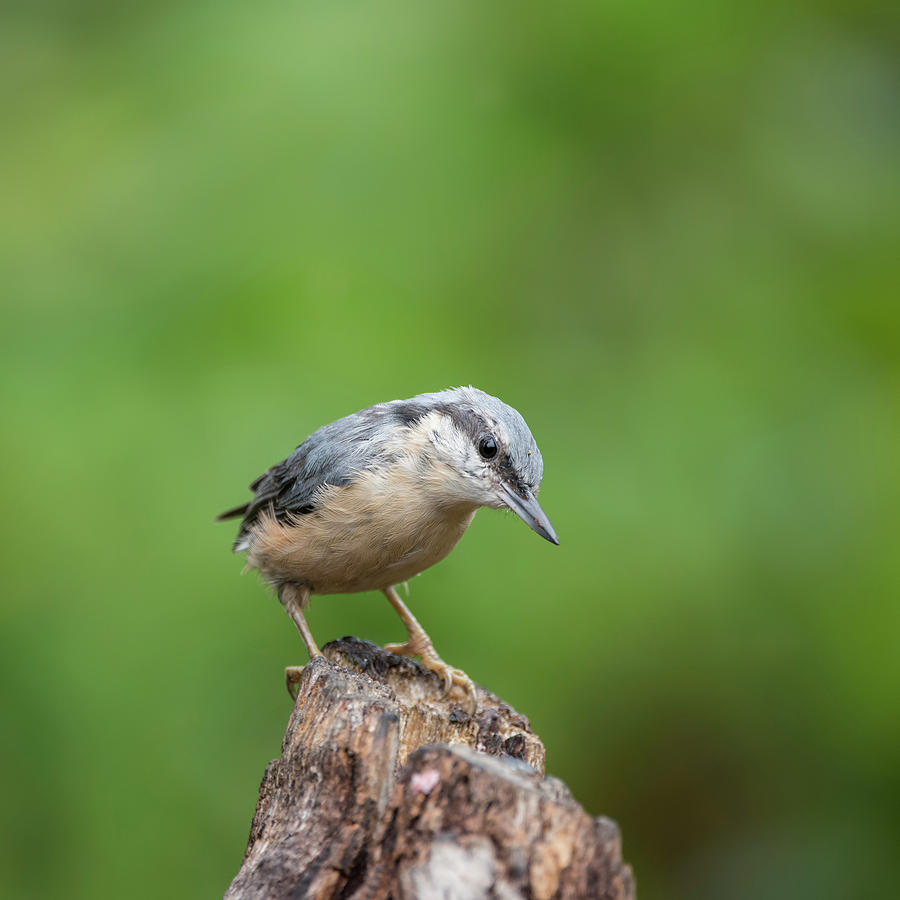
386	788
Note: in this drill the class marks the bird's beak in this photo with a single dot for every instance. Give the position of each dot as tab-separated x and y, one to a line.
526	507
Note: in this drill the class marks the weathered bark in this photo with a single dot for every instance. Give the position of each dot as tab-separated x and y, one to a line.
387	789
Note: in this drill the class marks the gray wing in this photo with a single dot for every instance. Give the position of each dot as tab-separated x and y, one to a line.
333	455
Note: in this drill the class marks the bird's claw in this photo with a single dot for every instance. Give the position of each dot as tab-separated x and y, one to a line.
401	649
292	679
457	678
450	676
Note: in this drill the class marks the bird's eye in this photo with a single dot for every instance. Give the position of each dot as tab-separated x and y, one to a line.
487	447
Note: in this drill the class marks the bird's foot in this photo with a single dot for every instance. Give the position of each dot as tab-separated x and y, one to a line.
450	676
292	679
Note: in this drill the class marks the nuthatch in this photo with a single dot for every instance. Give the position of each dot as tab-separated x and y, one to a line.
374	498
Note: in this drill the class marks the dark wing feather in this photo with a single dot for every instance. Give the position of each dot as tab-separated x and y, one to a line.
288	488
232	513
333	455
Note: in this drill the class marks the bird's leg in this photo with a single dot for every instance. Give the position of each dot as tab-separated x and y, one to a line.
295	598
419	644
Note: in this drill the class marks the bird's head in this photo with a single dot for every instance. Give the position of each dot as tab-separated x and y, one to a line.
472	449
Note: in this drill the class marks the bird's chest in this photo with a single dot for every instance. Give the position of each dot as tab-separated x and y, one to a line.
416	545
376	532
394	537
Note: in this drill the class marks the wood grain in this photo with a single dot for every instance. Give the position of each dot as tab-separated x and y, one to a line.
385	788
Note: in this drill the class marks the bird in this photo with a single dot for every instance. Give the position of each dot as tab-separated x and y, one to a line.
373	499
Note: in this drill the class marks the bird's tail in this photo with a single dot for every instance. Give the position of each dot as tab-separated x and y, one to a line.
233	513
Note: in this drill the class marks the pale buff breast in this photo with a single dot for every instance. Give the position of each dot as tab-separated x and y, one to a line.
378	531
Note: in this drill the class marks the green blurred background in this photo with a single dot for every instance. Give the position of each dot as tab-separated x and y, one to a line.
667	234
